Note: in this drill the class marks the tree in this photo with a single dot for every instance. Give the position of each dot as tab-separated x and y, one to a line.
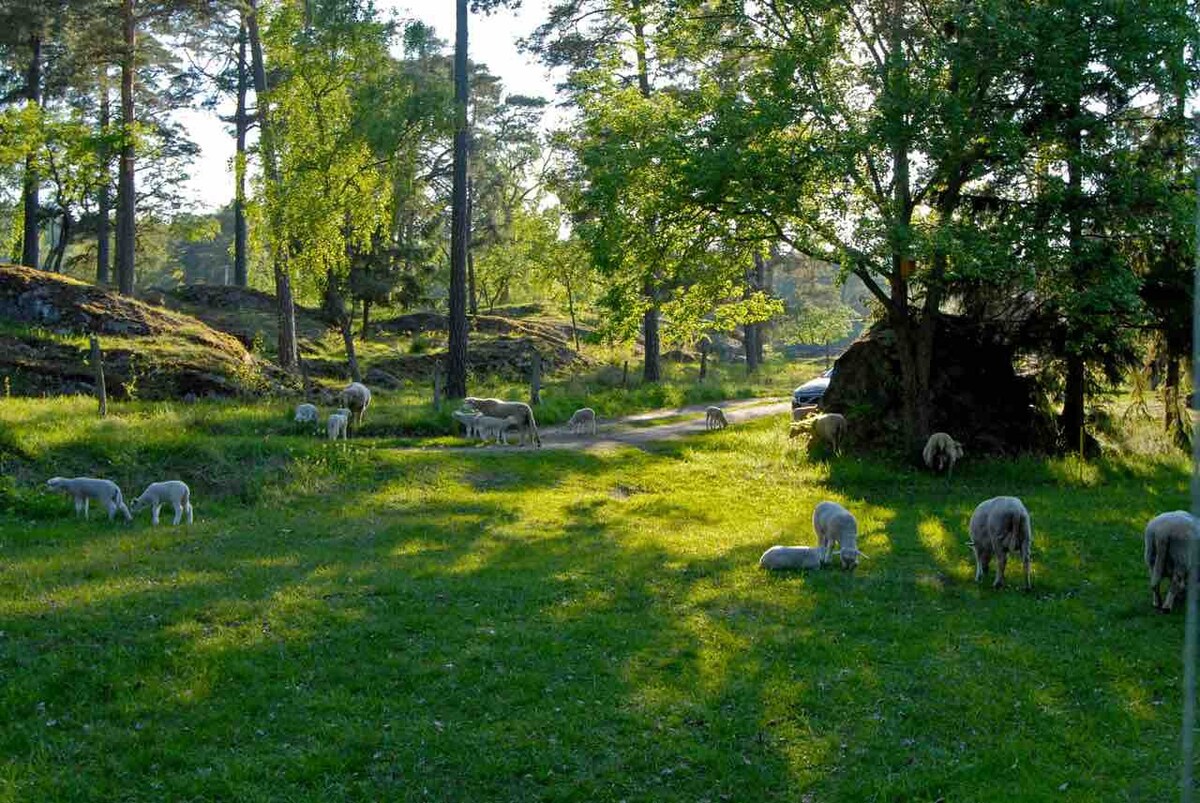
824	325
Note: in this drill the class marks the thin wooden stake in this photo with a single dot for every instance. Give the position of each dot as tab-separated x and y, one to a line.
98	367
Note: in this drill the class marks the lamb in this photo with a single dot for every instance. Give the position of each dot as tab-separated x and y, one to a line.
1169	539
497	408
357	397
85	489
344	411
582	420
489	426
337	425
792	557
306	413
836	526
829	427
942	452
171	492
714	418
469	421
998	526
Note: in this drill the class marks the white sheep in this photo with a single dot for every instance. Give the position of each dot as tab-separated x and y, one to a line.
357	397
337	425
1169	538
469	420
941	453
829	427
344	411
836	527
998	526
84	489
306	413
171	492
489	426
792	557
520	411
714	418
583	420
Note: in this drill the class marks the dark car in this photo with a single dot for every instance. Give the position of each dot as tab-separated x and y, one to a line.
811	391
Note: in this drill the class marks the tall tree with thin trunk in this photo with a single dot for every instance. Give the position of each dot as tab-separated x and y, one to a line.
33	93
126	197
456	363
104	191
241	125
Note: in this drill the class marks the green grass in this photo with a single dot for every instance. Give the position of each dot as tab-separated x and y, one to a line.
364	623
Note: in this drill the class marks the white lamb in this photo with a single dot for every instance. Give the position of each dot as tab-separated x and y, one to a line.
306	413
583	420
469	421
337	425
171	492
836	527
85	489
792	557
998	526
520	411
490	426
829	427
1169	538
942	452
357	397
714	418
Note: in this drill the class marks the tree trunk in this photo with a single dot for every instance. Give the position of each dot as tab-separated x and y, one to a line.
366	319
472	296
33	92
1173	418
289	356
126	202
651	366
60	248
103	200
703	360
351	355
571	309
1071	422
535	378
98	369
241	124
460	226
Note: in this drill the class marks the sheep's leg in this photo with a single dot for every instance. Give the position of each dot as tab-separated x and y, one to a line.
983	559
1028	573
86	514
78	506
188	508
154	513
1001	562
178	513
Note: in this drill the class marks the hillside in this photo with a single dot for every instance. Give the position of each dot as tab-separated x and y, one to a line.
149	352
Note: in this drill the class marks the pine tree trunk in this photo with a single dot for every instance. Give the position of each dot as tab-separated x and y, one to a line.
1071	421
651	366
241	124
456	371
32	205
103	199
571	309
126	209
1172	419
472	297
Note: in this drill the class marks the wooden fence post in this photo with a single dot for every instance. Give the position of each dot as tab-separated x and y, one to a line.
535	378
98	367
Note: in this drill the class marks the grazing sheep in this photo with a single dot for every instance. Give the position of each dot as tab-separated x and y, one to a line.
836	526
490	426
171	492
792	557
84	489
582	420
998	526
469	421
714	418
1169	539
829	427
306	413
357	397
497	408
942	452
337	425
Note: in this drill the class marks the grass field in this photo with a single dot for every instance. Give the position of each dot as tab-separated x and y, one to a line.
366	623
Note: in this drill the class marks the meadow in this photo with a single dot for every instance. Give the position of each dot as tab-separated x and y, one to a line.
365	622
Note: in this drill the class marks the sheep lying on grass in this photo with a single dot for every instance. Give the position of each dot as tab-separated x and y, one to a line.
84	489
171	492
836	527
1169	539
829	427
714	418
998	526
583	420
520	411
306	413
357	397
941	453
792	557
469	420
337	425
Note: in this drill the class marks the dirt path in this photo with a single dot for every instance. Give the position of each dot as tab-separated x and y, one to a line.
635	430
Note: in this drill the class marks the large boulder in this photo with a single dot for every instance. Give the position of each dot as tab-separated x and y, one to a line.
976	394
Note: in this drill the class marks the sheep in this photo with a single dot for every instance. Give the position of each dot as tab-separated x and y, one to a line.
714	418
942	452
357	397
495	428
498	408
998	526
582	420
84	489
337	425
1168	540
171	492
344	411
469	421
836	526
306	413
792	557
829	427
